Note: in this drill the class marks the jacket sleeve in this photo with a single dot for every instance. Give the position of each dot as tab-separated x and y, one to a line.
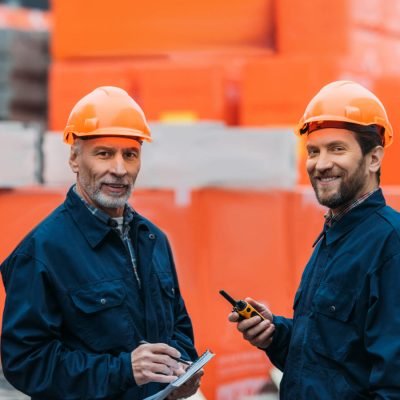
278	350
183	338
382	331
34	358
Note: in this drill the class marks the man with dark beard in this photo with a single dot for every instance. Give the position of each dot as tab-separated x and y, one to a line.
93	307
343	341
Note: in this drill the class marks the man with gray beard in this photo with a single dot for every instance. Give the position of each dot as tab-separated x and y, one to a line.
93	307
343	341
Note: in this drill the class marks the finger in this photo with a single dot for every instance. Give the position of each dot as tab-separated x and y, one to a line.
233	317
165	360
146	358
258	306
162	369
154	377
264	339
163	348
256	329
249	323
261	308
179	371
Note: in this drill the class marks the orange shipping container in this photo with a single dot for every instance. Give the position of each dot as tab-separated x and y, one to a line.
275	90
164	88
312	28
93	28
387	89
69	81
181	90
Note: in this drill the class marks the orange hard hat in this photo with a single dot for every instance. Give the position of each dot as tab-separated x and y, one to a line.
342	103
108	111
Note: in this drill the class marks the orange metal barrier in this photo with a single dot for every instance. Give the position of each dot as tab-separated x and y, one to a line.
232	240
20	211
248	243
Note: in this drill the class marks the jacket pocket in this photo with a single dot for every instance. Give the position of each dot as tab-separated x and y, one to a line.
324	383
333	329
167	284
101	316
98	297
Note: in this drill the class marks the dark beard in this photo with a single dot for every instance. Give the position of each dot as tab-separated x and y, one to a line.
348	191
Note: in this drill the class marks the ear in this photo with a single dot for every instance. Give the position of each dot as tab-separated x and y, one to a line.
376	157
73	159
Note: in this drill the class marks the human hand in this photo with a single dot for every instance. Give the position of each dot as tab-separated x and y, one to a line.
153	362
188	389
256	331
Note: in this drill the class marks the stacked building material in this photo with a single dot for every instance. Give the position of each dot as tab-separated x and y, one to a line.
24	60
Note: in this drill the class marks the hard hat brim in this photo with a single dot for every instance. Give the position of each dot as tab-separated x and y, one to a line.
69	135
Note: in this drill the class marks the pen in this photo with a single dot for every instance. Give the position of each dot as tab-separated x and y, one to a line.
175	358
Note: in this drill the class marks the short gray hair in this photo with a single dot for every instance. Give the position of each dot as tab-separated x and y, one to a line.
76	147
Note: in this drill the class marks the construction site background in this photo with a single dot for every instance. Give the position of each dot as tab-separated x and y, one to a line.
222	83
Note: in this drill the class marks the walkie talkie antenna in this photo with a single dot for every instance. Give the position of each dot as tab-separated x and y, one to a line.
227	297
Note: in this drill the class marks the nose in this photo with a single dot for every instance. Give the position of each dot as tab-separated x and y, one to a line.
323	162
118	166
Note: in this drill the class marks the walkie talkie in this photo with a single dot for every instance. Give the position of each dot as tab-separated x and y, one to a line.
243	308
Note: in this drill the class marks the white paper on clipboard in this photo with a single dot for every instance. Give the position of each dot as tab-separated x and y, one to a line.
196	366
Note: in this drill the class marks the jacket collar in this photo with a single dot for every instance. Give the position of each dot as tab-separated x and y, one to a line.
355	217
92	228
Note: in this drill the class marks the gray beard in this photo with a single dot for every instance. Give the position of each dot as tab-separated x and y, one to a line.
109	201
102	199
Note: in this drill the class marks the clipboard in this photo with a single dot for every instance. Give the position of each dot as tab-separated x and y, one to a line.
196	366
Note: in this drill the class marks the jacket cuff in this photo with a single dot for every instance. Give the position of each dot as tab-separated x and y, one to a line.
127	371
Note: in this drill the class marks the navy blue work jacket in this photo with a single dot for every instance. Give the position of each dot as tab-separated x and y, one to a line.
74	312
344	339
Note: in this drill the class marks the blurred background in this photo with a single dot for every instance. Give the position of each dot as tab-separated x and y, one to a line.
222	83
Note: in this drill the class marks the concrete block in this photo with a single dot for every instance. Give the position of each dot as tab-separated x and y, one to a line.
207	155
56	170
20	163
189	156
26	52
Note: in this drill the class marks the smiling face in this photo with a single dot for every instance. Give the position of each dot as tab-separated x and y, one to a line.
106	169
338	171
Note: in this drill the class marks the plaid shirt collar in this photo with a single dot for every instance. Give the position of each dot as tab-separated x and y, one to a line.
104	217
330	218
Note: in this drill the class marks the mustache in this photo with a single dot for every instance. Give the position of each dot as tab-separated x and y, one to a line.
115	181
327	174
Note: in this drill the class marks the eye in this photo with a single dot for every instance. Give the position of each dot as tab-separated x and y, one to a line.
312	152
338	149
131	155
103	153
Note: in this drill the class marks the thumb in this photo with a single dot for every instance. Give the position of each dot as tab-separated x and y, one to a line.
261	308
